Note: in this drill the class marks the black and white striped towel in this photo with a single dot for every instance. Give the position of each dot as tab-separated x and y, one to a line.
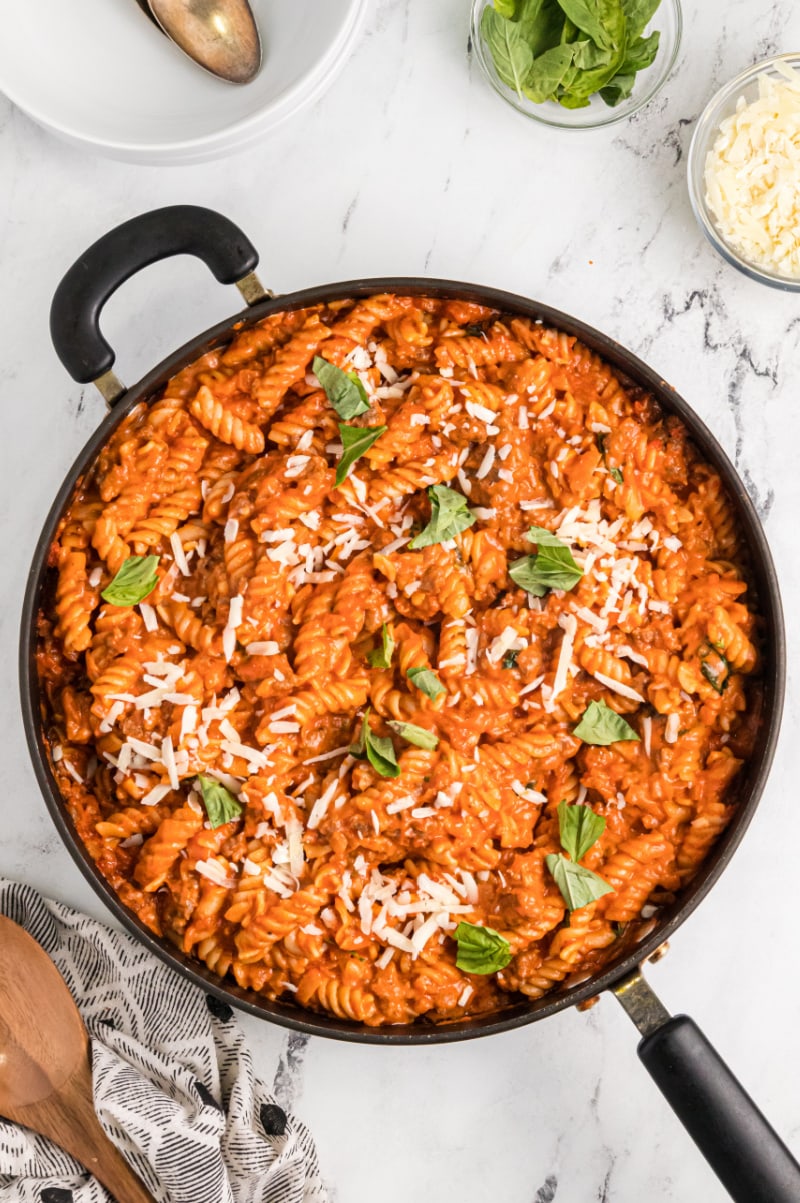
173	1081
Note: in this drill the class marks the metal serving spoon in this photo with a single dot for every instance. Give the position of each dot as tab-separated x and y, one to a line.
219	35
45	1075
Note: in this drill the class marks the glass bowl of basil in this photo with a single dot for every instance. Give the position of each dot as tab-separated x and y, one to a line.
576	64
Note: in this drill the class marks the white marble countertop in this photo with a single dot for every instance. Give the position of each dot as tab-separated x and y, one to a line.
411	165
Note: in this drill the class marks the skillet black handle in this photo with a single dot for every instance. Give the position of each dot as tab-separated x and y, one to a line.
740	1145
743	1149
176	230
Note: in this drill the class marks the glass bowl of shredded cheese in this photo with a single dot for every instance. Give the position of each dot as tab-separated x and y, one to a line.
744	171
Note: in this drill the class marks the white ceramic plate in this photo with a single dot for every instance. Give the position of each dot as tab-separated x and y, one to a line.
100	74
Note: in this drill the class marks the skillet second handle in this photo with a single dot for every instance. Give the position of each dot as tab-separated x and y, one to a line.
743	1149
175	230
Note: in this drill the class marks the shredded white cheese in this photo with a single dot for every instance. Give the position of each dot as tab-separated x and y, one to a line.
671	729
232	625
149	617
625	691
178	554
752	176
263	647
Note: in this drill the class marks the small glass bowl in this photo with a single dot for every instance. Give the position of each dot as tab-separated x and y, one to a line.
720	106
667	19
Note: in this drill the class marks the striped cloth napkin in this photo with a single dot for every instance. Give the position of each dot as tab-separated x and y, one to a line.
173	1082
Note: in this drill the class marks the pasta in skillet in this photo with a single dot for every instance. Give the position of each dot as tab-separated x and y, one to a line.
421	674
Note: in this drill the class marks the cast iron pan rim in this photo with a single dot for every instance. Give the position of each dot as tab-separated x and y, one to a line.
520	1013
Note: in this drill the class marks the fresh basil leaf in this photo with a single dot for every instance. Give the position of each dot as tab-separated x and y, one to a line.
510	658
551	568
378	750
449	516
613	94
380	754
586	83
355	441
381	657
481	949
717	674
578	886
569	99
580	828
221	806
344	390
510	51
136	579
530	43
588	55
601	726
547	72
427	681
415	735
545	539
602	439
638	14
567	82
602	20
569	33
640	54
522	572
542	24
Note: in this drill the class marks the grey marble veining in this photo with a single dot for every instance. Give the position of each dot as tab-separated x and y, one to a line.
411	165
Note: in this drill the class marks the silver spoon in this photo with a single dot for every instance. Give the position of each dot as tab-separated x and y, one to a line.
220	35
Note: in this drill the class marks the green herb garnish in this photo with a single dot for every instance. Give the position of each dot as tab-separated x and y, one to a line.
508	45
415	735
719	675
221	806
136	579
381	657
344	390
579	828
355	441
600	725
427	681
481	949
378	750
569	50
640	54
614	473
510	658
551	568
449	516
578	886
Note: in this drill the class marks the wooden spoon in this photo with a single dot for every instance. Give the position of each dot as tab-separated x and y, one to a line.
45	1074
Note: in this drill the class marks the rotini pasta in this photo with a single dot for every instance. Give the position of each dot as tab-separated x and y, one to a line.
302	618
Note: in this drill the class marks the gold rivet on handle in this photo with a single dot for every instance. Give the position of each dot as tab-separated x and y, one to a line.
252	289
660	952
110	387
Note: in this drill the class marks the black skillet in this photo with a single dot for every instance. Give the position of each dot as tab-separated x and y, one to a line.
743	1149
